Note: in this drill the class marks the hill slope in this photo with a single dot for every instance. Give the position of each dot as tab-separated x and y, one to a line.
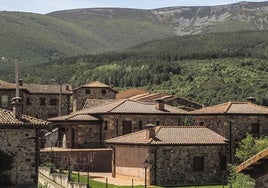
36	38
209	68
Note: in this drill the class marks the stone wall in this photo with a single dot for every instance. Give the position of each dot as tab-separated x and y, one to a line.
237	126
171	165
174	165
93	134
94	160
11	93
21	144
35	109
115	122
82	94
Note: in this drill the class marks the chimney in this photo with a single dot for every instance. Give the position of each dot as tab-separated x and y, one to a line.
17	107
150	131
251	100
160	104
20	82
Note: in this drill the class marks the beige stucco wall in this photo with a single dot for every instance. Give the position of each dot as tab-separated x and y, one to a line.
21	144
129	162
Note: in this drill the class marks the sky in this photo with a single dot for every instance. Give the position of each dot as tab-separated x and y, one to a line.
46	6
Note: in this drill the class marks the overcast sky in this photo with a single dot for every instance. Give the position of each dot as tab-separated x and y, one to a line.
46	6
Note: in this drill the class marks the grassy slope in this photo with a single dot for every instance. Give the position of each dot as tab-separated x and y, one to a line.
37	38
121	28
34	37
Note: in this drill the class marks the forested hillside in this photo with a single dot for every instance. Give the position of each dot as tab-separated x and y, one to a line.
209	68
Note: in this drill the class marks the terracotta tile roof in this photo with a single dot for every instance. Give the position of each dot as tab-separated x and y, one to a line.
74	117
8	85
129	106
130	93
7	119
37	88
51	89
122	106
172	135
96	102
95	84
251	162
233	108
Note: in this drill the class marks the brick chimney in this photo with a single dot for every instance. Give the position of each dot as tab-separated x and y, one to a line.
17	107
150	131
160	104
251	100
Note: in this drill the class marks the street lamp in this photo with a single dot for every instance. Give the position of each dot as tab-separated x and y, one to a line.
146	165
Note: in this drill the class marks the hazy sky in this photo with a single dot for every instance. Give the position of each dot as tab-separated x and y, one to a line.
46	6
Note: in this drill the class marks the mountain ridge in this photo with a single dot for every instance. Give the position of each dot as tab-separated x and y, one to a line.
37	38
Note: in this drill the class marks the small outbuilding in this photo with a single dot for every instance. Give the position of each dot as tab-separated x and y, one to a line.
176	155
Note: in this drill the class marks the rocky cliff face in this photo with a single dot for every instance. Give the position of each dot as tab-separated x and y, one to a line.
224	18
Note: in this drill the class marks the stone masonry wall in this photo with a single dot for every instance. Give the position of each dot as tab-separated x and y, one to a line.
115	122
47	110
81	95
240	126
21	144
174	165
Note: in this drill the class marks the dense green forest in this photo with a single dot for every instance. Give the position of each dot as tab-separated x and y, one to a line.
208	68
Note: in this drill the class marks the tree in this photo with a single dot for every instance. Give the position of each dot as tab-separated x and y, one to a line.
246	148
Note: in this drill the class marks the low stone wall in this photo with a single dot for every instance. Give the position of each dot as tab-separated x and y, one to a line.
94	160
60	179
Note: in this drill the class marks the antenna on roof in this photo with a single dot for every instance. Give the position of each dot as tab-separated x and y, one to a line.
17	77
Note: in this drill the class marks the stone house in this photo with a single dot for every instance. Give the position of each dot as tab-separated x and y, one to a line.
257	168
92	90
177	155
95	124
233	120
40	101
19	148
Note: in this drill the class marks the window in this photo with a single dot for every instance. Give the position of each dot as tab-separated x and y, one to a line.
223	163
88	91
29	101
157	123
201	123
198	163
255	128
140	125
106	125
103	92
4	99
53	102
42	101
126	127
